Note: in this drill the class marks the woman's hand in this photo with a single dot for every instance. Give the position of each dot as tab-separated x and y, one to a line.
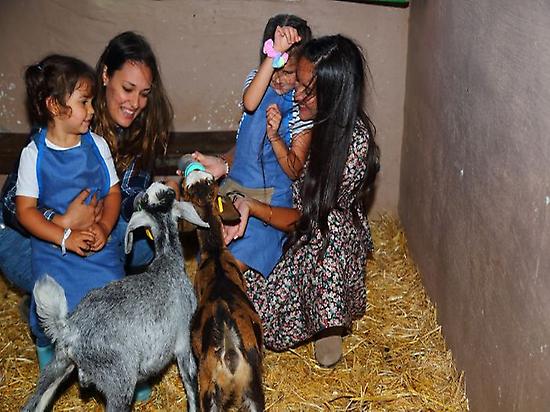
282	218
284	38
232	232
80	215
273	119
214	165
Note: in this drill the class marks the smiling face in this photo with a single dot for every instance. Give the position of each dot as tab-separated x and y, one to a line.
75	119
306	89
127	91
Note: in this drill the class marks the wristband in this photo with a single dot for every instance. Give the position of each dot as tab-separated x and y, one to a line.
66	234
279	59
268	222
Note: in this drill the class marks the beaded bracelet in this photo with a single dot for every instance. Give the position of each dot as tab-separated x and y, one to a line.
270	215
279	59
226	163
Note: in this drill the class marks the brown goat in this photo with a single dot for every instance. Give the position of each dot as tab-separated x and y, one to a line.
226	331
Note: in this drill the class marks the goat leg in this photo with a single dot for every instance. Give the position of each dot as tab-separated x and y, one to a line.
211	397
254	397
188	372
117	387
50	378
118	398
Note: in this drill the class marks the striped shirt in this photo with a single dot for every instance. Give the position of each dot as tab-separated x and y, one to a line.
296	125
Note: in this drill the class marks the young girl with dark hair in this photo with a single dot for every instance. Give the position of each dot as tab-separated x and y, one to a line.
272	141
133	113
62	158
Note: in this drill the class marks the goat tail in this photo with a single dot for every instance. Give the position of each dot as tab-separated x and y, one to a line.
51	306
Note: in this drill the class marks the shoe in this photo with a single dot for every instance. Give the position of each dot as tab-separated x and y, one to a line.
328	350
45	355
143	392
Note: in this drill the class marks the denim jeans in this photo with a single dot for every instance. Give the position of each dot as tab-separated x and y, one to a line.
15	257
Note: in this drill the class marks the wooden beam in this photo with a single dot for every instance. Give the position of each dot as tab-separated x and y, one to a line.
390	3
180	143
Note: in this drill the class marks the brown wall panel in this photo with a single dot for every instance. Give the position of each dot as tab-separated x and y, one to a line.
475	189
206	48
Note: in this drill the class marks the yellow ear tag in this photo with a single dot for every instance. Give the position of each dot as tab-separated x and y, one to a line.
220	204
148	233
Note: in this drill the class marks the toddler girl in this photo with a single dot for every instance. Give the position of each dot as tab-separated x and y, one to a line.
272	142
62	158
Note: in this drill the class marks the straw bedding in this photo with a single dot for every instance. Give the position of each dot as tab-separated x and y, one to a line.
394	360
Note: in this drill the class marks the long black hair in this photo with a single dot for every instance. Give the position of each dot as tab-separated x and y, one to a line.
339	82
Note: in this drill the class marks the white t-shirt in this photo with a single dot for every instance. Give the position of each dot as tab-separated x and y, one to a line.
27	183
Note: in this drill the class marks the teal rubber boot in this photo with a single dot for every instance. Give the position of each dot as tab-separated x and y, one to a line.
143	392
44	355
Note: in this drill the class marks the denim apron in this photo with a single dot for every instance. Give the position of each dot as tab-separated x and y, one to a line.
62	175
255	166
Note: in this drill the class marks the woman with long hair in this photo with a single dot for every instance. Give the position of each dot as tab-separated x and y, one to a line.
133	114
318	287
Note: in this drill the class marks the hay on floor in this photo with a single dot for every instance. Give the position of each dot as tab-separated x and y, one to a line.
395	359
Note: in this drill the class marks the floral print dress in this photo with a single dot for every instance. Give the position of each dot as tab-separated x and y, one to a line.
302	296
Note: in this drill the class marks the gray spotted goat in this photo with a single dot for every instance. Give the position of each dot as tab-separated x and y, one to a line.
130	330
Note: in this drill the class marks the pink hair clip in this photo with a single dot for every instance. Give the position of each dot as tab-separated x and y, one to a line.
279	59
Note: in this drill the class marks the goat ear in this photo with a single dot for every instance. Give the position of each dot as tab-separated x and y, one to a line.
138	219
229	212
185	210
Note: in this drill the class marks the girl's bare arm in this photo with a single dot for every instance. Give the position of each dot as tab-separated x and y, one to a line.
111	209
284	38
292	159
38	226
